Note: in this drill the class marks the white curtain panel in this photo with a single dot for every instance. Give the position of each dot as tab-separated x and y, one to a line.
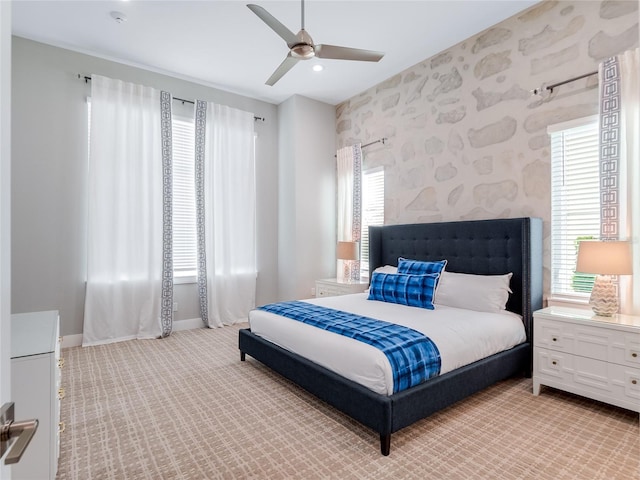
345	193
349	185
229	215
125	213
630	173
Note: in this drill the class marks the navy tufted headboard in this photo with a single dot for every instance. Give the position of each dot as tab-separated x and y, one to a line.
484	247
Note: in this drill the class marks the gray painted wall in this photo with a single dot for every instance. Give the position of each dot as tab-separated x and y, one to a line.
307	172
467	140
49	161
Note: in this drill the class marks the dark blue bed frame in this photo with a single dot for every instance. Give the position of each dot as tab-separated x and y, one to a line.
486	247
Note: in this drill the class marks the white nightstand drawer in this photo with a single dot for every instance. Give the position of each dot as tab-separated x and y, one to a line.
600	343
331	287
326	291
608	382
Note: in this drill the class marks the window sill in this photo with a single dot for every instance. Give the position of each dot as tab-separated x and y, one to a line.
568	301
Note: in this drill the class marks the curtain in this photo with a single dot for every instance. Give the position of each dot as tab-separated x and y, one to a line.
225	209
630	171
129	268
349	179
620	163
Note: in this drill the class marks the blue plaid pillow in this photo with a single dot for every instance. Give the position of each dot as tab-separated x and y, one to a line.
412	290
416	267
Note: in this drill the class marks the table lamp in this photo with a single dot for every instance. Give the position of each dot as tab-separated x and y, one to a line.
348	252
604	259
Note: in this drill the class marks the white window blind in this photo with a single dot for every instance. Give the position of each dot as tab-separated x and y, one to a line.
575	201
372	211
184	198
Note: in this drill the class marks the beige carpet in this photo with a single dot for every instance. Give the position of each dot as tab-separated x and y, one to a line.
187	408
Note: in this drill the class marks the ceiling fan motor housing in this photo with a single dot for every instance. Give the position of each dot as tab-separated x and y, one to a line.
303	50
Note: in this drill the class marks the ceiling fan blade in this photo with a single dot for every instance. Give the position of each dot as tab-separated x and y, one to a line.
346	53
284	67
286	34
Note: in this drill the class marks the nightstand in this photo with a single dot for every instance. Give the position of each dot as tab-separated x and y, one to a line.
36	388
331	287
596	357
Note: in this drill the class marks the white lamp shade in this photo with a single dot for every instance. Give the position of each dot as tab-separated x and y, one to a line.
348	251
604	258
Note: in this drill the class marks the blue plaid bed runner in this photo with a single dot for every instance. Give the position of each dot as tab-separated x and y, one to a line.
414	358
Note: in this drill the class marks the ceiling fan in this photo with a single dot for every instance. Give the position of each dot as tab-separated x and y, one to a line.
301	46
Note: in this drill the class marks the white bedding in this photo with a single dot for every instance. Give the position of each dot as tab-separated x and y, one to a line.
462	337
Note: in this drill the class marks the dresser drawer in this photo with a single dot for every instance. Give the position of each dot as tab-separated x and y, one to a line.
600	343
607	382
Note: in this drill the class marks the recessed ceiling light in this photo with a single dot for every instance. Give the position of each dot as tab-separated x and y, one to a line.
317	68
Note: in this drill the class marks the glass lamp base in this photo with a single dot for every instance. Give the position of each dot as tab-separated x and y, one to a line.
604	297
349	271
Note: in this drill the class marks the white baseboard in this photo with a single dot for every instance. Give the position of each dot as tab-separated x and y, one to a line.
71	341
188	324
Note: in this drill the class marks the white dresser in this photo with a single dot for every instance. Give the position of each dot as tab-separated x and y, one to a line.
330	287
36	390
596	357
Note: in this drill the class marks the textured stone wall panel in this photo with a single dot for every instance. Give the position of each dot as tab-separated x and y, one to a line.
466	139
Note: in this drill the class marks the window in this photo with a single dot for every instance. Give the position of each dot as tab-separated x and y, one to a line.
372	211
575	201
184	200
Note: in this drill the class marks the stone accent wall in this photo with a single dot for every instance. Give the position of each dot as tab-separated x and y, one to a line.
466	137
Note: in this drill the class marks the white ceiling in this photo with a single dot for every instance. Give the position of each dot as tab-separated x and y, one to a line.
224	45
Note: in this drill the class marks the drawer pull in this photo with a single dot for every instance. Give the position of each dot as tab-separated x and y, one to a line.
554	339
61	393
554	362
634	381
634	354
61	427
60	363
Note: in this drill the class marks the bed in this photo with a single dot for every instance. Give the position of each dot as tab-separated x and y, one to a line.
482	247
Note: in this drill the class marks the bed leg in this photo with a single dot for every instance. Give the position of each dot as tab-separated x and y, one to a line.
242	356
385	443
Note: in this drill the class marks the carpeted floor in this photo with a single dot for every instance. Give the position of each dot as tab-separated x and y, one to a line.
187	408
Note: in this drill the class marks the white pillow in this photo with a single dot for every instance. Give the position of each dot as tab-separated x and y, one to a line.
386	269
482	293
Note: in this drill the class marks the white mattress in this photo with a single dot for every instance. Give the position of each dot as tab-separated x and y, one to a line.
462	337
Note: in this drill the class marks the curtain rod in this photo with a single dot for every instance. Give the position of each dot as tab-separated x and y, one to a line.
537	91
88	79
380	140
